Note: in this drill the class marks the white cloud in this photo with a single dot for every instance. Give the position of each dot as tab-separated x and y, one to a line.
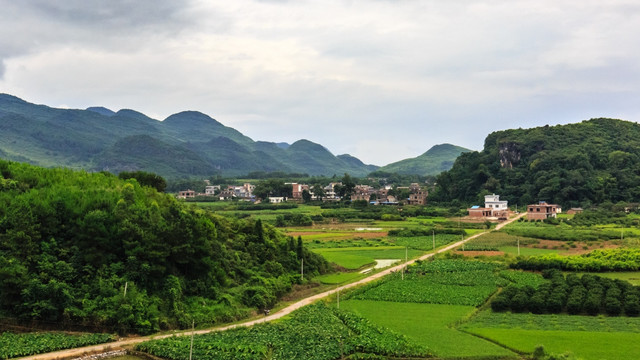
382	80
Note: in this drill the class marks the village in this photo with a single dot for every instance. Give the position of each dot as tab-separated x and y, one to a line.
494	209
416	194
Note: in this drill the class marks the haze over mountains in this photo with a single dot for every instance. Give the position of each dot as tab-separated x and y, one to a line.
188	143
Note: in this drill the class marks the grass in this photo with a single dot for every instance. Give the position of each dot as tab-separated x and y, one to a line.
357	257
555	322
339	278
409	319
586	345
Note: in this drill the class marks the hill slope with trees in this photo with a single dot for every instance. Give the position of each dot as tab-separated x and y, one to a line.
94	250
185	144
580	164
436	160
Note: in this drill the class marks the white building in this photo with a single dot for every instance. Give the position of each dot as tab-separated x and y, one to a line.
493	202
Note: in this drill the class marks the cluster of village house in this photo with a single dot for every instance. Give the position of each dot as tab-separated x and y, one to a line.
417	195
494	208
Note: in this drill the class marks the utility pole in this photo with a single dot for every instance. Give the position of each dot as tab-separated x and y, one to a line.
193	328
518	246
302	269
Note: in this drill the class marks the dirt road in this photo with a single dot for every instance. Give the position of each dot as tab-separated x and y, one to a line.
285	311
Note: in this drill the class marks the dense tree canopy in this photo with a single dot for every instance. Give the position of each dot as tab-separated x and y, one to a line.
72	242
573	165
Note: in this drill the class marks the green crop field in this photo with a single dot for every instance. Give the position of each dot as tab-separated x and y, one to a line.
410	320
18	345
448	282
527	251
587	345
356	257
315	332
560	322
426	242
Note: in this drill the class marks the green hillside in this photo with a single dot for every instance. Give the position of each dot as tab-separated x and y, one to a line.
591	162
436	160
92	250
185	144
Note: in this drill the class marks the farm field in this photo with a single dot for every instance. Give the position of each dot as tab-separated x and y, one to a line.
357	257
410	320
587	345
17	345
315	332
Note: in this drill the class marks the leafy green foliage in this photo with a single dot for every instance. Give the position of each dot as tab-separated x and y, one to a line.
145	179
573	165
17	345
313	332
620	259
72	242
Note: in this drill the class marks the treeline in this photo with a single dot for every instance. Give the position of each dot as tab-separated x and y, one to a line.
572	165
588	294
622	259
102	252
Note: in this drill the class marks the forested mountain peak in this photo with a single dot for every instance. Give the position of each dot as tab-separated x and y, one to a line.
437	159
191	118
101	110
577	164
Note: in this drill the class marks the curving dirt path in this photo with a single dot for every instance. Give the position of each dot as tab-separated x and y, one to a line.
78	352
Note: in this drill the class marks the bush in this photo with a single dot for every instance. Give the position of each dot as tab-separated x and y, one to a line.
612	306
501	303
632	305
576	299
592	303
537	303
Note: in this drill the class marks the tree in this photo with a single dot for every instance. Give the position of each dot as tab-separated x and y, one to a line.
318	191
306	196
145	179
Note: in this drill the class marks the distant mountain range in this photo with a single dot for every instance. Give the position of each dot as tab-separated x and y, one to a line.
185	144
436	160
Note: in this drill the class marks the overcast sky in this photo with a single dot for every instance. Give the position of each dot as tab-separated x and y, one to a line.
381	80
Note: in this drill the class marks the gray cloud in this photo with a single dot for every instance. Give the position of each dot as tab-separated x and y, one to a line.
383	80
